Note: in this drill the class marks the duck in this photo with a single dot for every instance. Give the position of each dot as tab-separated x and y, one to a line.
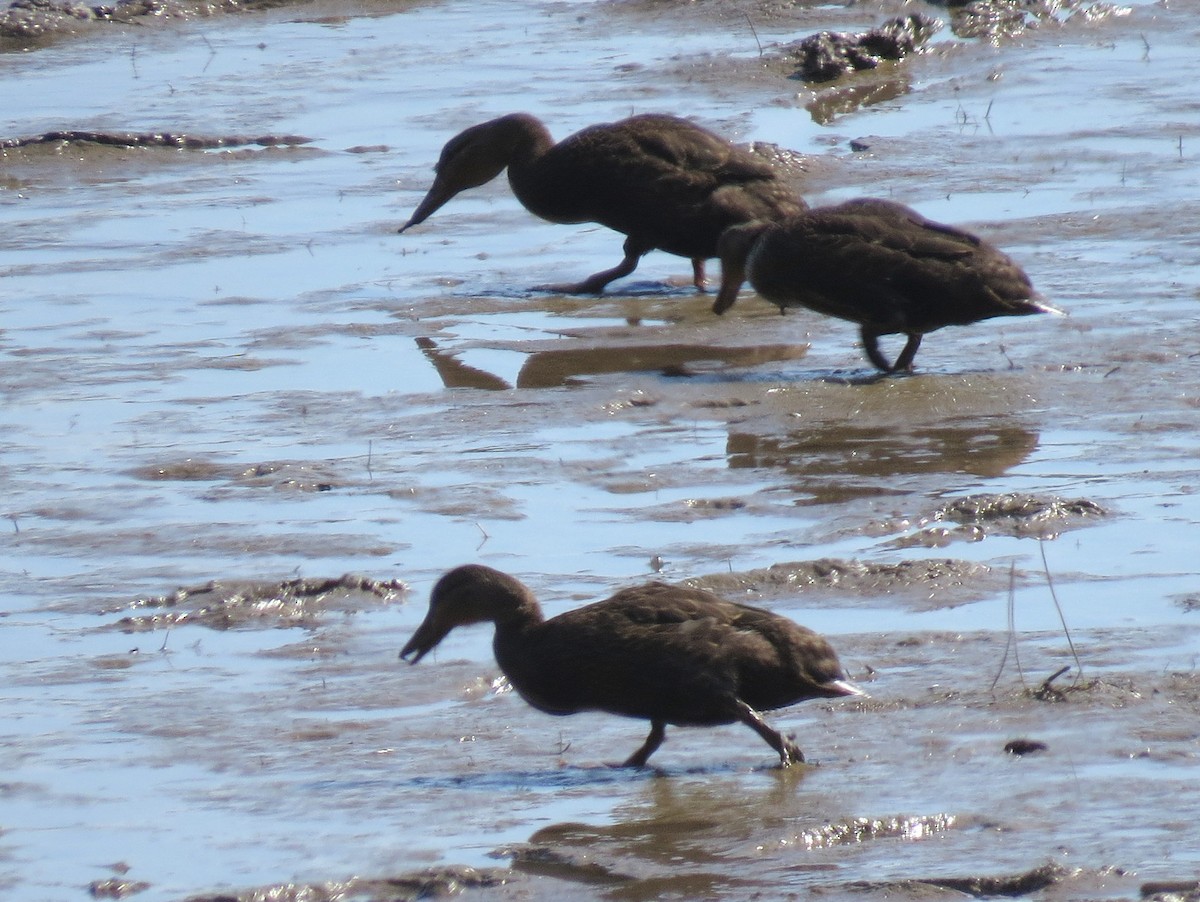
665	653
662	181
880	264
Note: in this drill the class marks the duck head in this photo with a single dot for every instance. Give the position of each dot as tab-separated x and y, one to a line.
470	159
468	594
734	249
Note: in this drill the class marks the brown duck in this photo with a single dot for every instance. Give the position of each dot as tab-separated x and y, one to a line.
661	181
667	654
879	264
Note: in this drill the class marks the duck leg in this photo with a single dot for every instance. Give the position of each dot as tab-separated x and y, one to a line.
698	277
594	284
870	342
788	752
905	360
903	364
658	730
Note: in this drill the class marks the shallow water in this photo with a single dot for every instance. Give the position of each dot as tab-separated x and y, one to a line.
226	365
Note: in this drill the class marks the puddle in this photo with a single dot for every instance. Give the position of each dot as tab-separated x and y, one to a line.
224	364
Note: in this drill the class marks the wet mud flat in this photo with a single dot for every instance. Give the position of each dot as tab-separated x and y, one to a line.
1045	783
218	400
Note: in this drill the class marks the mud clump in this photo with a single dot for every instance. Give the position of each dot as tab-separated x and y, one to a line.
975	517
431	884
31	23
995	20
1017	514
854	577
1016	885
1011	886
116	888
1171	891
235	604
831	54
154	139
1019	747
790	162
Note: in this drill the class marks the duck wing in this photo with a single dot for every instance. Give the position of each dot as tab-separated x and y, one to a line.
660	180
896	272
672	654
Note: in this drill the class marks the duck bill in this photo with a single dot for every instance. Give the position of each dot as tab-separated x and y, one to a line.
840	688
424	640
1040	303
437	196
732	276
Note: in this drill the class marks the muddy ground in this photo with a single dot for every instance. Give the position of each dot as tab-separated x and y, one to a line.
246	426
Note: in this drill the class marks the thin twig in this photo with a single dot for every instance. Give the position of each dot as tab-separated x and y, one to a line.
1062	618
1046	692
754	32
211	53
1011	641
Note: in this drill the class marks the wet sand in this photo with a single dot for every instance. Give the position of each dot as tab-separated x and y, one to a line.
227	382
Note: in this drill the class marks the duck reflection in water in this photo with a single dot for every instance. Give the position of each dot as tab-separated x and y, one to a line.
663	182
557	366
667	654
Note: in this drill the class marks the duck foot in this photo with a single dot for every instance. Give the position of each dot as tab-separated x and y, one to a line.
594	284
904	362
789	752
658	730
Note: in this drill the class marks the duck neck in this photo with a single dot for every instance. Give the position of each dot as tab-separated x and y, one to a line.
527	141
520	614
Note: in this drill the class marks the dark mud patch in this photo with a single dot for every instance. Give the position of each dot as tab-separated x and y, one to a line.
188	469
1012	886
28	24
1015	514
281	475
1019	514
152	139
116	888
1025	746
233	604
948	580
1189	602
831	54
692	509
1171	891
202	538
1038	682
997	20
434	883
